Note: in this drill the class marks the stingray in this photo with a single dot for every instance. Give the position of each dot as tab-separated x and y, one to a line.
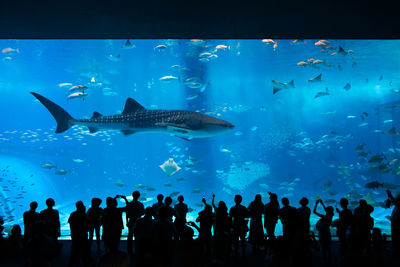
170	167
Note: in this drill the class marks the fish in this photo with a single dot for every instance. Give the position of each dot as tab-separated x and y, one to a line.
48	166
128	45
387	121
316	79
160	47
363	124
167	185
351	117
347	86
319	94
140	186
321	43
302	63
64	84
180	179
196	190
268	41
392	131
119	183
135	118
376	159
362	155
360	147
77	88
168	78
78	160
373	185
61	172
222	47
277	86
10	50
381	77
170	167
77	95
341	51
393	162
174	194
298	41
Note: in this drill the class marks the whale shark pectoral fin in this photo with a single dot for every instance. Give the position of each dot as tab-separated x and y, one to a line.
127	132
131	106
96	115
93	129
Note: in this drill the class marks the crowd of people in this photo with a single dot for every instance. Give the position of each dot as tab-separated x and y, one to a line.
162	235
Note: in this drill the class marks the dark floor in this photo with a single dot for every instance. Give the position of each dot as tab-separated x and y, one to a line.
252	259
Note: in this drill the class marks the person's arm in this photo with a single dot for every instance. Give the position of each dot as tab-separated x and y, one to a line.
194	225
58	225
315	209
212	202
123	197
204	201
323	205
390	196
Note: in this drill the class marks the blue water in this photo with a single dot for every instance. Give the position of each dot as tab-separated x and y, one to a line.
292	143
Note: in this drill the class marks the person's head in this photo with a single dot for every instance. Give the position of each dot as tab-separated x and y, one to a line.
363	203
273	197
1	220
238	199
168	201
376	233
304	201
188	233
180	199
163	212
257	198
50	203
149	211
16	230
222	206
160	197
80	207
33	205
208	208
96	202
111	203
285	201
329	210
344	202
136	195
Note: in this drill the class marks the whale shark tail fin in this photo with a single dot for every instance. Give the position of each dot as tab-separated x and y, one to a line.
60	115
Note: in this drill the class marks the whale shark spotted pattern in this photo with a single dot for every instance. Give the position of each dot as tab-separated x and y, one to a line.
135	118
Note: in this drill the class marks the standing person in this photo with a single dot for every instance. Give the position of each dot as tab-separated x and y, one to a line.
239	215
112	224
323	226
206	220
303	241
134	210
95	214
181	209
142	232
79	225
256	234
51	219
30	219
170	211
156	206
344	223
395	222
271	213
222	220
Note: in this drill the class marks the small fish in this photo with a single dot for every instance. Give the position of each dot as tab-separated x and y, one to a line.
392	131
387	121
77	88
167	185
321	43
316	79
376	158
363	124
341	51
196	190
128	45
268	41
168	78
319	94
360	147
9	50
351	117
119	183
160	47
78	160
174	194
298	41
61	172
347	86
393	162
48	166
302	63
238	133
180	179
64	84
78	95
373	185
381	77
222	47
254	128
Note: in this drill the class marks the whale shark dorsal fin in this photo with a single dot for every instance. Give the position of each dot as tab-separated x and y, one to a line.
318	78
96	115
131	106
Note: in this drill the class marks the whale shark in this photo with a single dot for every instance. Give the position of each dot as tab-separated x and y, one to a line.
135	119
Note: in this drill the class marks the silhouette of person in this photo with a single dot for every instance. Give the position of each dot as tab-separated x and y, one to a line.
79	225
222	220
323	227
3	244
170	211
256	234
288	217
271	213
112	224
343	225
189	249
95	215
142	232
181	209
377	242
134	210
30	219
303	241
395	222
51	219
15	242
206	220
163	232
239	215
158	205
362	227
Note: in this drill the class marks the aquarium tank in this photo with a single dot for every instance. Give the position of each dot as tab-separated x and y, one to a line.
299	118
